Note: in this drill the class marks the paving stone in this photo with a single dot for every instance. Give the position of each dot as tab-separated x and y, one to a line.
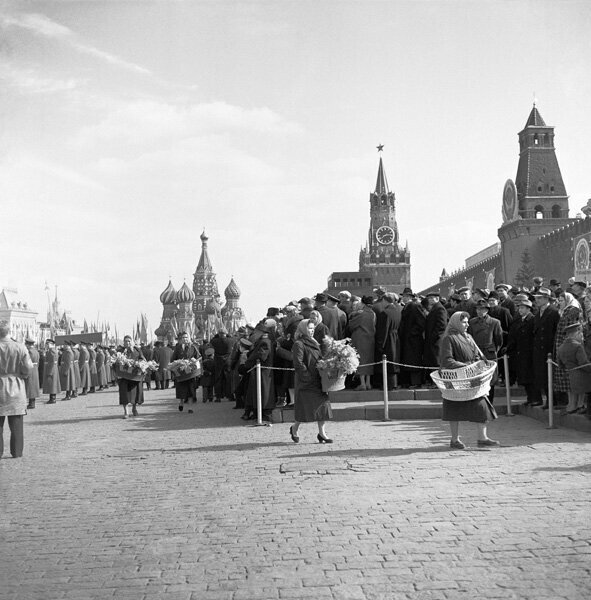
174	506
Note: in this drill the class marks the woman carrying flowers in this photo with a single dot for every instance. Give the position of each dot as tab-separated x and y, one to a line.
311	403
129	378
185	379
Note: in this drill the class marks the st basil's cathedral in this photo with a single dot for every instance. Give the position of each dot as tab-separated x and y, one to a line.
199	311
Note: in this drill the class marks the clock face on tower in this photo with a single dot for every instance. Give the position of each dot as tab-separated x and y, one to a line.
385	235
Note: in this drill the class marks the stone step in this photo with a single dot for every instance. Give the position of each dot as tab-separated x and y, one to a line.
372	410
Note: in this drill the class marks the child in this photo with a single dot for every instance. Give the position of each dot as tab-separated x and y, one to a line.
207	377
572	354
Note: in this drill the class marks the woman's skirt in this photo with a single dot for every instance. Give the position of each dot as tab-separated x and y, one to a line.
130	392
311	405
185	390
475	411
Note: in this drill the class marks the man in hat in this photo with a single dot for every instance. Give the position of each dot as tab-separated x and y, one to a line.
488	335
578	291
387	341
555	288
435	325
538	283
333	302
66	370
306	306
15	367
239	355
222	344
51	376
411	333
32	382
467	304
84	365
330	316
545	324
505	301
454	302
520	350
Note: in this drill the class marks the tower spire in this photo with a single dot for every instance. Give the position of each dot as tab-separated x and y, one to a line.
381	182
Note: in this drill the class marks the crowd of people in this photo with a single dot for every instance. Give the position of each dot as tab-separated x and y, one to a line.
416	334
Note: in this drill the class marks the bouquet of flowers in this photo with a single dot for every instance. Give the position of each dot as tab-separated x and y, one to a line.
129	364
339	355
185	366
146	365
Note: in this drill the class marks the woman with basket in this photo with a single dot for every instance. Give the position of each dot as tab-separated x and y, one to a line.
311	403
459	350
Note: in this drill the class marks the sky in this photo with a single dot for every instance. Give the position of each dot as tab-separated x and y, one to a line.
129	127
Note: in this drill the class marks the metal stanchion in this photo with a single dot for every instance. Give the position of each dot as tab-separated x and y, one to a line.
507	385
259	394
550	395
385	386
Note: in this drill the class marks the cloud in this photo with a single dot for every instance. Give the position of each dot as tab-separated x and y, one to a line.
60	172
30	81
141	121
45	27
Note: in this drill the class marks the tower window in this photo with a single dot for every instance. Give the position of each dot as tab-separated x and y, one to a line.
556	212
552	188
539	212
539	187
536	140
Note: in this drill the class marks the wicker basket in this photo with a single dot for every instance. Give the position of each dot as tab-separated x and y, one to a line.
332	380
465	383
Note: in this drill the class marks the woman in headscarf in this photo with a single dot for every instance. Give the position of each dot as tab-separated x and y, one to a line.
458	349
321	331
311	403
362	331
570	313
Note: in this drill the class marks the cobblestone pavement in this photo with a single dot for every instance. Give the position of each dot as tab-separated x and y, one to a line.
171	505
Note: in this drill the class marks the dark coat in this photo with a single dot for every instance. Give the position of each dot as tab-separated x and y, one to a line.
32	382
487	334
51	377
435	324
92	366
387	340
311	404
163	356
520	348
84	364
572	354
544	333
362	331
66	370
510	306
101	371
570	315
330	318
77	375
189	351
262	350
504	317
412	335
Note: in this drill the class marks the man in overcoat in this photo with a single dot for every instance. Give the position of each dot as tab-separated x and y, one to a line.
32	382
66	370
333	302
502	289
76	364
435	324
386	338
545	324
488	335
51	376
412	340
222	344
84	365
263	350
330	316
520	349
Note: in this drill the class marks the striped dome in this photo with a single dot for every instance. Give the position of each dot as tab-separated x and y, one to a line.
232	292
168	296
185	294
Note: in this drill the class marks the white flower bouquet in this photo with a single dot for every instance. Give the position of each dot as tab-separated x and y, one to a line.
339	355
338	360
185	366
130	364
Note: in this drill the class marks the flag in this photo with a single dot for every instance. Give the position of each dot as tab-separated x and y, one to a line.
85	328
144	329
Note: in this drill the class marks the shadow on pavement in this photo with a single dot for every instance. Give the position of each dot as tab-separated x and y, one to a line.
582	468
380	452
220	448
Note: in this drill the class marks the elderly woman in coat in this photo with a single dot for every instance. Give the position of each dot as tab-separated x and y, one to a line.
15	367
570	313
311	403
573	359
458	349
362	331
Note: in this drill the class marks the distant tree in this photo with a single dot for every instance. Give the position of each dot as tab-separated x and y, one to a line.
526	272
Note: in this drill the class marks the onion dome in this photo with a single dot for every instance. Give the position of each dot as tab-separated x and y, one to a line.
168	296
232	292
185	294
160	331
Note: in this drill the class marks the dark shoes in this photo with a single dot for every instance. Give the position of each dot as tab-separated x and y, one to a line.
181	407
457	445
488	443
294	438
323	440
134	411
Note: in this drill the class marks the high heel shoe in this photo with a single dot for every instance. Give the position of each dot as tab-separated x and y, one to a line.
324	440
294	438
